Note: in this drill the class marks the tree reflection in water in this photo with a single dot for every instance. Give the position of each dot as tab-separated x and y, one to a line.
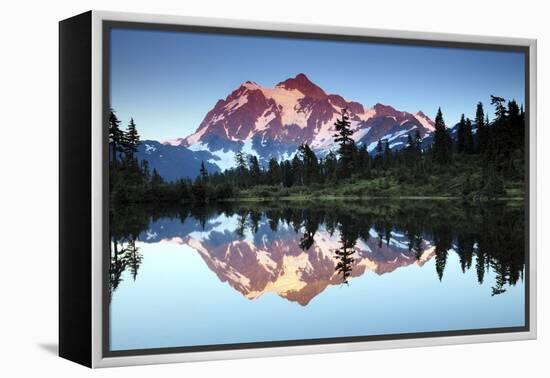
493	234
348	239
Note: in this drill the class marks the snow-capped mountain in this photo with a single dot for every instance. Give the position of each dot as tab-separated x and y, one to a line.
273	122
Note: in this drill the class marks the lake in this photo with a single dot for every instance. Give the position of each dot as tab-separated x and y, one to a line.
253	272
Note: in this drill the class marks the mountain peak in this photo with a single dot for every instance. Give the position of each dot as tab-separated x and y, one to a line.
385	110
381	106
250	85
425	120
274	121
302	83
302	76
420	113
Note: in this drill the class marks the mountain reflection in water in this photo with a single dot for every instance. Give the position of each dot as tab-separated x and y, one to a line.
297	250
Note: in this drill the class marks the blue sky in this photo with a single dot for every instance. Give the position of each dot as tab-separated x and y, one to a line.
168	81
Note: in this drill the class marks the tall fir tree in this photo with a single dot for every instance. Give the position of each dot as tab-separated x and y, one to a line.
134	257
345	142
482	134
242	171
116	136
131	140
310	164
255	170
442	144
500	109
344	255
501	138
461	135
240	160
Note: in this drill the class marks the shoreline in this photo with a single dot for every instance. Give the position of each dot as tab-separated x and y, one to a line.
364	198
310	198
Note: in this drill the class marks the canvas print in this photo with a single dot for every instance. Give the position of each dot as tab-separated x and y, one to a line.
272	189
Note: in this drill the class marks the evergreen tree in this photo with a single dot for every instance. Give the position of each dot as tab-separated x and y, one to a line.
499	134
156	179
255	170
379	147
117	265
199	191
330	166
116	136
203	173
345	261
461	135
157	183
516	125
297	170
183	189
491	132
145	169
242	171
482	134
480	114
417	141
310	164
134	257
131	140
240	159
500	109
417	146
480	266
412	153
443	243
346	143
288	175
417	152
442	141
363	161
387	161
274	175
348	239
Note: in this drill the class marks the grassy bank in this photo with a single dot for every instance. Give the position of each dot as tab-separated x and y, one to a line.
433	188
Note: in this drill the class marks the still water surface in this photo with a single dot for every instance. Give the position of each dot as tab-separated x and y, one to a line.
269	272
